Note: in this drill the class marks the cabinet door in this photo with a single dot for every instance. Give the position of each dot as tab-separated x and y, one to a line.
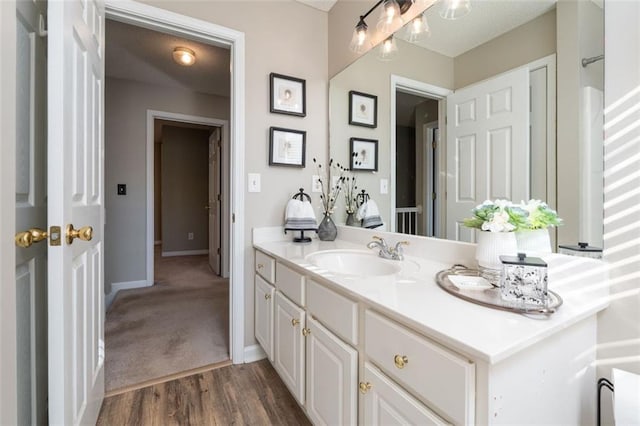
264	315
289	320
332	378
385	403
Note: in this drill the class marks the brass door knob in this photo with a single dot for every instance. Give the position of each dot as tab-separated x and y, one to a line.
26	238
400	360
364	387
306	331
85	233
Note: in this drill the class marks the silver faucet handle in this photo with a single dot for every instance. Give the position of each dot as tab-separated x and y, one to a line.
380	240
401	243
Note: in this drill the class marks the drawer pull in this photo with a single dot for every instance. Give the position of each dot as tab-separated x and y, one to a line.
295	322
364	387
260	266
267	296
306	331
400	360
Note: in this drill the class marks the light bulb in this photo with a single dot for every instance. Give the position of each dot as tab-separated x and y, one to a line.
184	56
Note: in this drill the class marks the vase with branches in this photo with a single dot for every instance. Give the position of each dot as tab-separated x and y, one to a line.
331	181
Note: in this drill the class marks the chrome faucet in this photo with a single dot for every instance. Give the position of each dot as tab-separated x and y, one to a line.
394	253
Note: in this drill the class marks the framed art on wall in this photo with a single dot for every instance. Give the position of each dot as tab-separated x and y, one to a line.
287	147
287	95
363	154
363	109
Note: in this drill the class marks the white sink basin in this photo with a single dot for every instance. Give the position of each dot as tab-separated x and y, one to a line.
354	262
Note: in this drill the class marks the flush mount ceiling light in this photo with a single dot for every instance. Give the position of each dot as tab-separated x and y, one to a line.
454	9
390	19
184	56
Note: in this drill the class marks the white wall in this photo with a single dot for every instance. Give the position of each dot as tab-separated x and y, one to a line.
619	325
126	105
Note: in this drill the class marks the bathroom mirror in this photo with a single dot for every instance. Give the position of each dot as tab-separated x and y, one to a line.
420	165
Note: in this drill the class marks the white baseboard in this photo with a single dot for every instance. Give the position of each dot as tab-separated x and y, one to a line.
184	253
253	353
116	287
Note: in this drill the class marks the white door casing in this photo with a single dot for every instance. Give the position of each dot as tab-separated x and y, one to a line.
31	212
75	191
214	205
487	146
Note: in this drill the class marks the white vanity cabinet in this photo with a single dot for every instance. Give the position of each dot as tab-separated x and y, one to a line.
289	360
263	304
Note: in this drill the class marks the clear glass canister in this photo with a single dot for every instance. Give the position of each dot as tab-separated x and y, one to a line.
582	250
523	280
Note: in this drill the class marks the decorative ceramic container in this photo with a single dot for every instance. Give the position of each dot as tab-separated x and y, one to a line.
327	230
492	245
533	241
582	250
524	280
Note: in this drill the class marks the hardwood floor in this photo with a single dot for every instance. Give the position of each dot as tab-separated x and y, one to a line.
245	394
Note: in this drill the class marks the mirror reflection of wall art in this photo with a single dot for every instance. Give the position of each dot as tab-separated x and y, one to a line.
363	109
288	95
286	147
364	154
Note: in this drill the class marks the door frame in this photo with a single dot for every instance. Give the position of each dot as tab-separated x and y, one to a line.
165	21
8	362
152	115
415	87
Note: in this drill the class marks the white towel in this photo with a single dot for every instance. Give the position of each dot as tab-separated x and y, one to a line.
300	215
369	214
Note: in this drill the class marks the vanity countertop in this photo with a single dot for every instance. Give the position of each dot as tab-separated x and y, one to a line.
413	297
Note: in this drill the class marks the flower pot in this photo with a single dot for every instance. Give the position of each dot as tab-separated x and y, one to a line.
327	230
492	245
533	241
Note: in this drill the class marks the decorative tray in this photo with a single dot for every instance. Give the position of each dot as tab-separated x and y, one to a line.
489	295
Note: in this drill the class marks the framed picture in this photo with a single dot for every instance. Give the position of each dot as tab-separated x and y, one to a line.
287	95
363	154
286	147
363	109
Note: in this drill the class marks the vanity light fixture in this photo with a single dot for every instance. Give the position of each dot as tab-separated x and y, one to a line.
388	49
184	56
454	9
390	19
417	29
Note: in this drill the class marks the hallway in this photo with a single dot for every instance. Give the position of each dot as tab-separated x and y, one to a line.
178	324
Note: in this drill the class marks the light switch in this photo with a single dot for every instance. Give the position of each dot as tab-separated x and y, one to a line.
254	182
316	186
384	186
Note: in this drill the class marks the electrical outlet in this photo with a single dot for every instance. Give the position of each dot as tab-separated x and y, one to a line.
122	189
254	182
190	236
316	186
384	186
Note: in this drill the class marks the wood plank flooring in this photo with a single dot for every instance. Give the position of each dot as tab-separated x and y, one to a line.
244	394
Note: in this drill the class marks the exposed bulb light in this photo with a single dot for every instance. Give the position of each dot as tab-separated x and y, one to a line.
455	9
184	56
359	41
389	17
388	49
417	29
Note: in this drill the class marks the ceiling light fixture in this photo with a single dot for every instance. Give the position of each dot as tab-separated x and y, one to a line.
454	9
417	29
390	20
184	56
388	49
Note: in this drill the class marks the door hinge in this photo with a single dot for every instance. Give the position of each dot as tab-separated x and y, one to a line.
218	250
233	218
433	145
433	195
42	26
218	197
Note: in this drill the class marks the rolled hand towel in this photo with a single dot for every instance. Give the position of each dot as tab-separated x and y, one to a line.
369	214
300	215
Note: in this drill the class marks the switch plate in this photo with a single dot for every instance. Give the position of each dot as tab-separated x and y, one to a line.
122	189
384	186
316	186
190	236
254	182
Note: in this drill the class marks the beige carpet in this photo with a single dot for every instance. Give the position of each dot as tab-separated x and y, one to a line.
180	323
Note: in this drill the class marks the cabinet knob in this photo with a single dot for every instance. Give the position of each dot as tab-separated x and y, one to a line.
400	360
364	387
267	296
295	322
306	331
260	266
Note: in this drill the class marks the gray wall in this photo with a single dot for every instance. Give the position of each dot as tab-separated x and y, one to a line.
126	105
185	188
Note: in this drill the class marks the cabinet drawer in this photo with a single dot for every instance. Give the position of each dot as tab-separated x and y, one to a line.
265	266
336	312
290	283
444	380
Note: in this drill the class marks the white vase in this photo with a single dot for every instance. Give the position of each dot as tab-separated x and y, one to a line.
492	245
533	241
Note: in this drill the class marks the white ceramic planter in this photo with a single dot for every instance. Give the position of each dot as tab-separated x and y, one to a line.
492	245
533	241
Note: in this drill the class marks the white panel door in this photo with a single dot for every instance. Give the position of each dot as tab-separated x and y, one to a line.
264	315
487	146
75	191
332	378
385	403
31	212
288	357
214	205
